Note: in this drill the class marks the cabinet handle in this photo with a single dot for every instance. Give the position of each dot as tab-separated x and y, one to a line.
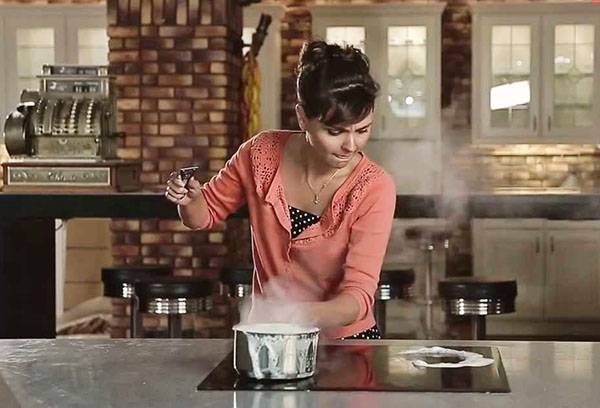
534	123
549	123
537	245
551	244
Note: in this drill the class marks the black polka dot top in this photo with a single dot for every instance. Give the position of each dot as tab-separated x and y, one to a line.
301	220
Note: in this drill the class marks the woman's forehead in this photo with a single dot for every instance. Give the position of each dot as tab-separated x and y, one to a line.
366	121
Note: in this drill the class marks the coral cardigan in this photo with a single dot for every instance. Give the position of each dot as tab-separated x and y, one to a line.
342	253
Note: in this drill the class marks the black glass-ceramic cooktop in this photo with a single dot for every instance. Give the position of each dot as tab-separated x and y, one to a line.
371	368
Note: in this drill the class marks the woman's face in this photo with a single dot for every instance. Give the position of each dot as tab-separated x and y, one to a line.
336	146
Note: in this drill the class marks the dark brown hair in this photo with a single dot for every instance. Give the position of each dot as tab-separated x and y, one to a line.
334	83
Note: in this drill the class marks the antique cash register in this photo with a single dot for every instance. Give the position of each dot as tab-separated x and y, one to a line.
63	137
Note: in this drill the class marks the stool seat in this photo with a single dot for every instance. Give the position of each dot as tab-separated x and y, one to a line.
239	280
172	287
477	297
236	276
472	287
118	280
394	284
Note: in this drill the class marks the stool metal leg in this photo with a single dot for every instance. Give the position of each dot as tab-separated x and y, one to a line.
428	247
380	316
174	323
478	327
135	318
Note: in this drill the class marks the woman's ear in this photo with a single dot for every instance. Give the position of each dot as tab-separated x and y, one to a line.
301	115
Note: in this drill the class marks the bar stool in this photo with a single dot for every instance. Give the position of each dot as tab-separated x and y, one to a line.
393	284
475	298
174	296
238	280
430	238
118	283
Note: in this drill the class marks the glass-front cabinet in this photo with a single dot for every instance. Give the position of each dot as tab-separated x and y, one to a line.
536	75
47	34
403	45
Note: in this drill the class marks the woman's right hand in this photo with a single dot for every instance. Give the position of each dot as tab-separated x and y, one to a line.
180	192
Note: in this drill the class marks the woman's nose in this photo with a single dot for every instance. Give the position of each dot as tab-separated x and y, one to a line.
349	143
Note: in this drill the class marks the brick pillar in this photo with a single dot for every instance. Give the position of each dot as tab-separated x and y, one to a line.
296	28
177	72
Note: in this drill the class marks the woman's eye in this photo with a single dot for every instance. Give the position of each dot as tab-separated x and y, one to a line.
363	131
333	132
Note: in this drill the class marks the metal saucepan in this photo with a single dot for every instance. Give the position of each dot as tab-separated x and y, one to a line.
275	351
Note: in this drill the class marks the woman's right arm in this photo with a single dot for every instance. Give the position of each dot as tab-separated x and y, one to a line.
202	206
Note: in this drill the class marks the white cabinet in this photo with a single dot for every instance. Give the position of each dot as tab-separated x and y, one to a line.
513	249
536	73
47	34
556	265
403	43
573	271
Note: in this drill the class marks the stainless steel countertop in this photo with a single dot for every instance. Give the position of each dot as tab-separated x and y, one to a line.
165	373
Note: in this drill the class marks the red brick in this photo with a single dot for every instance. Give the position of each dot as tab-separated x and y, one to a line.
130	92
218	92
149	55
176	80
168	117
183	117
149	129
120	31
172	129
178	153
150	68
133	141
192	141
209	55
216	116
167	68
128	104
150	153
115	44
166	43
210	104
124	80
175	31
174	104
128	153
211	31
132	117
125	250
196	93
150	117
201	67
210	129
149	104
158	92
151	80
156	238
199	117
174	56
211	80
159	141
149	31
123	56
131	43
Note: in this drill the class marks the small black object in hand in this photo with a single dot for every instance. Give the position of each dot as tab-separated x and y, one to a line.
186	172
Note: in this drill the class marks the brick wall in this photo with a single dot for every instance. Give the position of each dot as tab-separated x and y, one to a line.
178	72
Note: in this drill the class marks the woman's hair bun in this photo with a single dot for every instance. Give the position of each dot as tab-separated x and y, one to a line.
318	53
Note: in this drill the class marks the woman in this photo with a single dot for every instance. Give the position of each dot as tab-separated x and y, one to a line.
320	210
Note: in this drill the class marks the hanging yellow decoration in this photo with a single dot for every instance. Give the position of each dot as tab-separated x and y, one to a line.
251	94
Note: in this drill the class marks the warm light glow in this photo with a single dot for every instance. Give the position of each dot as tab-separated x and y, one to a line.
510	95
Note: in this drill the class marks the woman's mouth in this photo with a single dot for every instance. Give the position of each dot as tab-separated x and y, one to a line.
343	156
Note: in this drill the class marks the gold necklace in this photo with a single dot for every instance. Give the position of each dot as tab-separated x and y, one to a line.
316	194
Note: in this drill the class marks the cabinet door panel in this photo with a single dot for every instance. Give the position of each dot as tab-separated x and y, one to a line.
514	254
572	286
508	78
571	69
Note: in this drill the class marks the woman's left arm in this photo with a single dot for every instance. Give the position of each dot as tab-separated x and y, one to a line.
368	241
